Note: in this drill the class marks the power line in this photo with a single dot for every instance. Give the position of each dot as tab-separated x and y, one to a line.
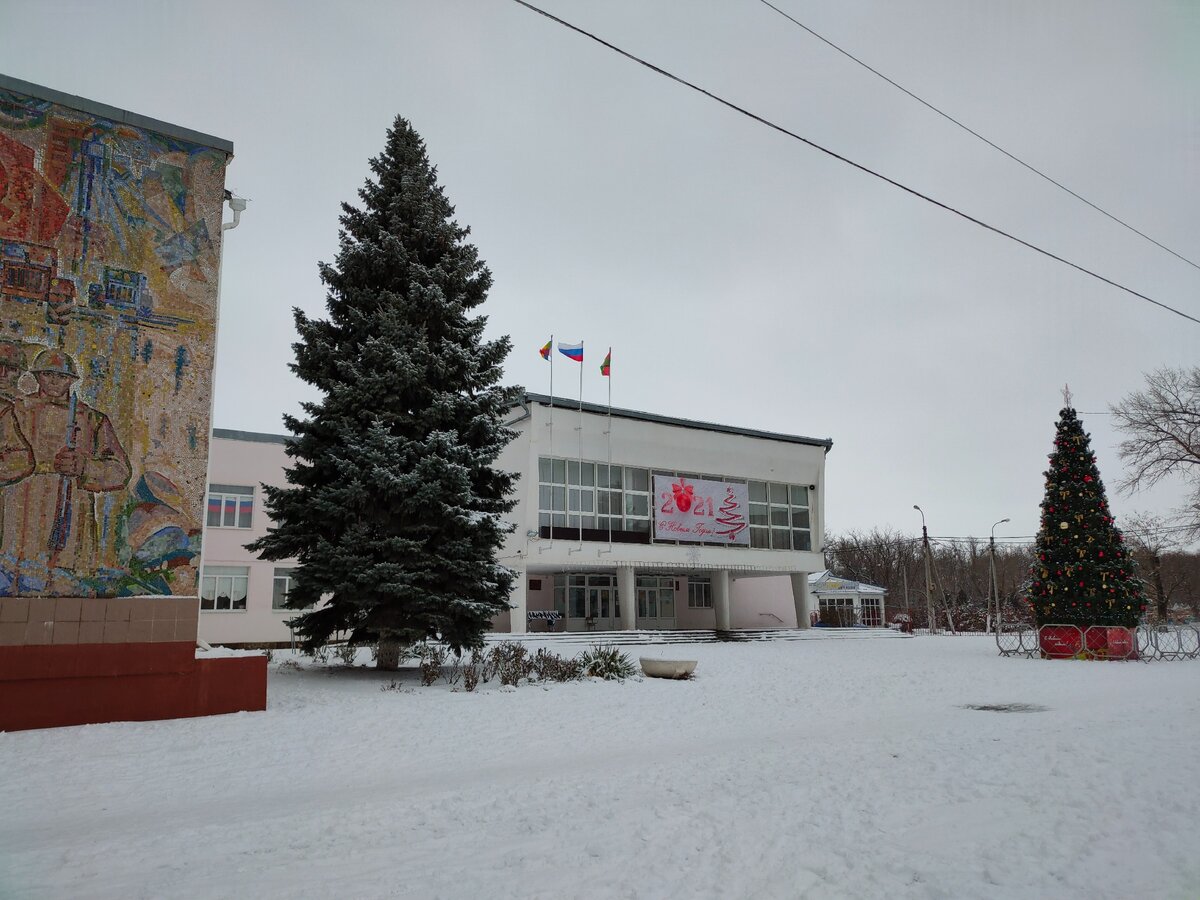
850	162
969	130
1008	539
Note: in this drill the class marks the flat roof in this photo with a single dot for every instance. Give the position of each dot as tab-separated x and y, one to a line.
113	113
258	437
601	409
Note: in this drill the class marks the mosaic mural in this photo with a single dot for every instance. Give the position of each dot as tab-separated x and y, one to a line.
109	253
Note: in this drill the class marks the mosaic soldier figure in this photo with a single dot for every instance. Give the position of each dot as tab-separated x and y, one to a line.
77	455
16	456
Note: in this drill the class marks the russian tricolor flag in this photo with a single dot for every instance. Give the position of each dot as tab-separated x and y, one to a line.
572	351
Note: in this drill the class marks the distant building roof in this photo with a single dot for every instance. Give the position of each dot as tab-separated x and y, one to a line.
258	437
603	410
600	409
828	583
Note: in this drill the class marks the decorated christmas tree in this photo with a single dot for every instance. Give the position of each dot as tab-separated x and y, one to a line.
1082	572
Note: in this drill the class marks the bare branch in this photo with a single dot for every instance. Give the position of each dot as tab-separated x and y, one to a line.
1162	424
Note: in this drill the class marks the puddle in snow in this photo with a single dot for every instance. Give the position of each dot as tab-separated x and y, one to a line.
1006	707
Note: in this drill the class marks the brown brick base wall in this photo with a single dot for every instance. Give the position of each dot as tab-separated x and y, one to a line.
46	686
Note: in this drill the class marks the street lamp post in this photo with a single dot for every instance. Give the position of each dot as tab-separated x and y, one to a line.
932	621
995	588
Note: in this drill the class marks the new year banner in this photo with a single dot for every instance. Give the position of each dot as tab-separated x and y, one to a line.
688	509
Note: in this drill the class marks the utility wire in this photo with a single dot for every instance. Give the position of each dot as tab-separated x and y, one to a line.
850	162
1008	539
969	130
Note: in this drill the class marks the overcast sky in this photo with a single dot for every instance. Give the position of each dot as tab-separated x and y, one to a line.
739	276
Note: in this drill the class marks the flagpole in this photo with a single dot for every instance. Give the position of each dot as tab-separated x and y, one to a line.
608	359
580	447
550	453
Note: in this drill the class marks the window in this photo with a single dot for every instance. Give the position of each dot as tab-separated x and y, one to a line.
838	612
230	505
872	614
780	516
592	495
280	588
224	588
699	593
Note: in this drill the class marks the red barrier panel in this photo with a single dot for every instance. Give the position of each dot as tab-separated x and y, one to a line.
1122	643
1060	641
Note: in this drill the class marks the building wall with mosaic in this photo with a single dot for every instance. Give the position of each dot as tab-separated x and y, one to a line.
109	256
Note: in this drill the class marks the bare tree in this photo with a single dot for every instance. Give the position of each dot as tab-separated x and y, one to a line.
892	560
1163	428
1155	545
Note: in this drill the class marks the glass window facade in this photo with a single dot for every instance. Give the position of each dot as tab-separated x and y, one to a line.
601	499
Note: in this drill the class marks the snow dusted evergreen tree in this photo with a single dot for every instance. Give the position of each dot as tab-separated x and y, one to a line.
394	505
1082	572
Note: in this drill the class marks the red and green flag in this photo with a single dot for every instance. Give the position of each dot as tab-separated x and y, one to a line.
607	364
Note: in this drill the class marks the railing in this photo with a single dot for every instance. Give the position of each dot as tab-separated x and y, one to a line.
773	616
1146	642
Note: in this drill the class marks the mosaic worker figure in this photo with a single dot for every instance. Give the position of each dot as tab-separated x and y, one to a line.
51	515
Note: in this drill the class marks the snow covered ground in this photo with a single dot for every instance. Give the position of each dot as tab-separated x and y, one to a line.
810	769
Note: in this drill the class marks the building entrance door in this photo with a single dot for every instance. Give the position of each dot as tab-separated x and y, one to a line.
603	611
656	603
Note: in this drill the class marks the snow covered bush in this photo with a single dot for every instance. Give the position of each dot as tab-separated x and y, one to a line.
607	662
511	662
433	657
550	666
470	671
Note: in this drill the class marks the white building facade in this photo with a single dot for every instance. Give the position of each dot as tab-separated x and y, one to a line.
624	520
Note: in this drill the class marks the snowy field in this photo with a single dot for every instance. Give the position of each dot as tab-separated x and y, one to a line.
823	768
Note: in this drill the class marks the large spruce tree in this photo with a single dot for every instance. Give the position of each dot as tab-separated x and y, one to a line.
394	503
1082	572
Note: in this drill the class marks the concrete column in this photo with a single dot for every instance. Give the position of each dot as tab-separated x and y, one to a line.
720	589
801	598
627	591
518	600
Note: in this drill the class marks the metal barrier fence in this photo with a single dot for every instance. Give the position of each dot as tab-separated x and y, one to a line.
1146	643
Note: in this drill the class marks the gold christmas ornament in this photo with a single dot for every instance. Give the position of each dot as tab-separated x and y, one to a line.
1063	525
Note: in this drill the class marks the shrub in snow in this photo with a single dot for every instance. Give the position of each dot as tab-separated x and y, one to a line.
317	654
470	672
433	657
512	662
550	666
454	672
607	662
346	653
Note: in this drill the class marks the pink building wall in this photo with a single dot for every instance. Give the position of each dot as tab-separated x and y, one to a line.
245	462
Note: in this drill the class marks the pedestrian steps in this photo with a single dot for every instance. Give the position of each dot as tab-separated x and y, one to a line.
701	636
